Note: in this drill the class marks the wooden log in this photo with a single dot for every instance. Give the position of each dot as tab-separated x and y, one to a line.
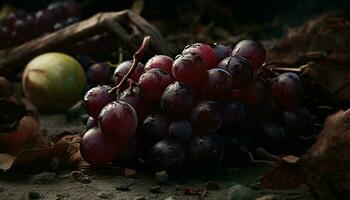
126	27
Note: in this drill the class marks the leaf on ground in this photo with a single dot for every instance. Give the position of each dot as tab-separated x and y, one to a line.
283	175
323	45
6	161
28	131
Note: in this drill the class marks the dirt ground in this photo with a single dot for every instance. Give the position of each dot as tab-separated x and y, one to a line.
51	186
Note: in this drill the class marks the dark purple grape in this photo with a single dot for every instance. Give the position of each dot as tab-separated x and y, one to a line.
96	148
45	20
168	155
272	137
156	127
12	17
129	151
288	89
123	68
222	51
133	97
205	151
204	51
152	84
162	62
85	60
255	93
71	8
177	100
91	122
118	120
271	111
58	10
217	85
180	131
236	114
237	149
252	50
239	69
206	118
297	122
97	98
189	69
99	73
58	26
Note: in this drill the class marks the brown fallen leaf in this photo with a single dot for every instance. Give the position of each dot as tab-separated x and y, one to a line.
27	132
325	167
322	47
6	161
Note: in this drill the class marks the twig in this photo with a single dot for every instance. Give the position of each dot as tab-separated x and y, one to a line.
137	55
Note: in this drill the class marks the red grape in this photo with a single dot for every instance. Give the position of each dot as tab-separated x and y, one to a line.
162	62
156	127
97	98
152	84
123	68
205	151
204	51
96	148
118	120
133	97
255	94
177	100
239	69
189	68
99	73
180	130
252	50
236	113
287	89
217	85
206	117
222	51
168	155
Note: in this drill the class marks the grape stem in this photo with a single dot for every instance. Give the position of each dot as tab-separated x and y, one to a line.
136	57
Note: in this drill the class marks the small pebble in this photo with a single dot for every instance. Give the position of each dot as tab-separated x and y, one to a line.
155	189
179	188
240	192
130	173
33	195
140	198
210	185
105	195
62	196
162	177
169	198
267	197
125	187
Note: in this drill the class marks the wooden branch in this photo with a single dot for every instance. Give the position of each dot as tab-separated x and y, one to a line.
13	60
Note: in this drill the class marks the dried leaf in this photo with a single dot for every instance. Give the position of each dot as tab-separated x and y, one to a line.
6	161
325	41
283	175
27	132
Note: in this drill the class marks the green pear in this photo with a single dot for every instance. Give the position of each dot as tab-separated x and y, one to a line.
53	82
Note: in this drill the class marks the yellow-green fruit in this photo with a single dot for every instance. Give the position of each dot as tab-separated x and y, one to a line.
53	82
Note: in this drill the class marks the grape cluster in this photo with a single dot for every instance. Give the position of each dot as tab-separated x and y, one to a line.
20	26
210	105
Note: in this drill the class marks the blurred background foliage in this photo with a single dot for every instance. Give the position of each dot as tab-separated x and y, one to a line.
217	18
